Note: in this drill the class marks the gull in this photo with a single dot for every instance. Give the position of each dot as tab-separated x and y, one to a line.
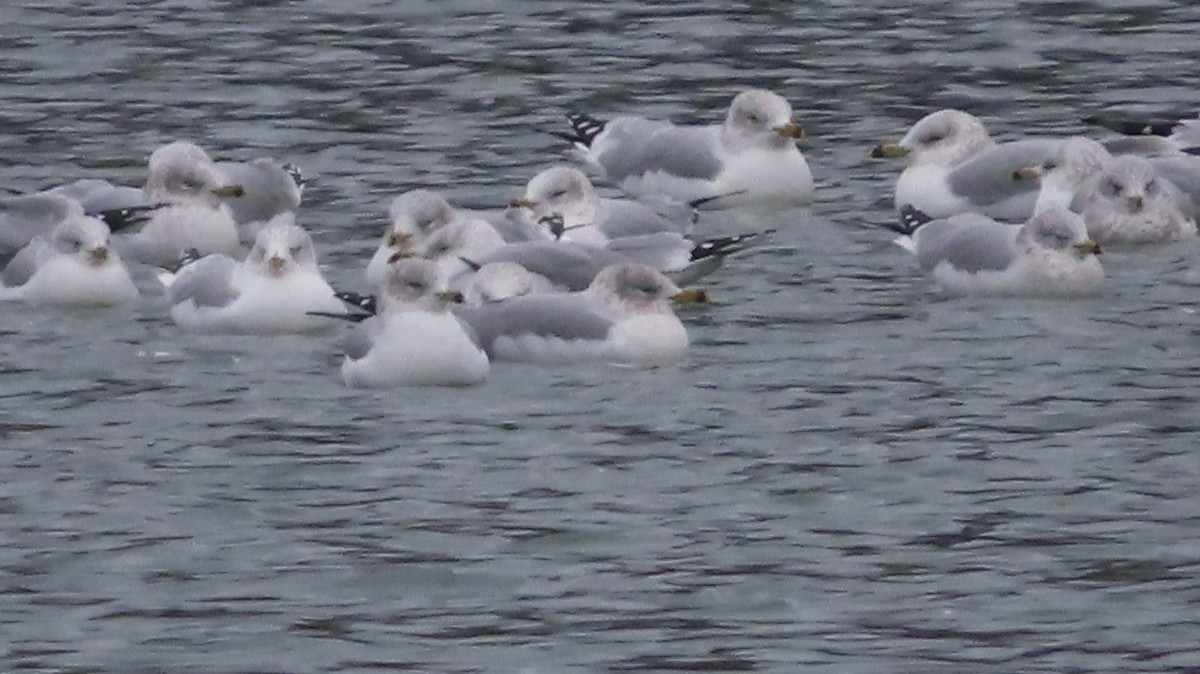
971	254
563	204
73	265
624	316
272	291
414	339
192	190
751	160
956	167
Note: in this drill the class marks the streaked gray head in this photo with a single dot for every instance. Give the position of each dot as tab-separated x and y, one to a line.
635	286
1127	183
281	247
419	212
946	137
1059	229
183	170
469	238
758	116
84	236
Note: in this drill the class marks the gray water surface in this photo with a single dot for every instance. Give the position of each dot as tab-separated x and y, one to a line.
850	472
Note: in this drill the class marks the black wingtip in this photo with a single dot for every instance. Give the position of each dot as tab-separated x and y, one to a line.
584	127
365	302
188	256
1191	150
471	264
352	318
119	219
294	173
911	219
704	201
1133	127
726	245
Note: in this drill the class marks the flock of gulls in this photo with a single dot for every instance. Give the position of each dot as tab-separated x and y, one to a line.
563	274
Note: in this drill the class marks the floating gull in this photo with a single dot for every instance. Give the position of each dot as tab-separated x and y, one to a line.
750	160
192	190
272	291
971	254
956	167
563	204
624	316
74	265
414	339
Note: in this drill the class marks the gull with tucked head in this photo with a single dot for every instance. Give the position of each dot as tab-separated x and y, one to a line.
414	339
193	191
970	254
276	289
74	265
751	160
624	316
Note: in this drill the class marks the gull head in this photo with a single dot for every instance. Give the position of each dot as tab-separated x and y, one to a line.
1058	229
1062	175
472	239
282	247
419	212
944	138
84	236
633	288
499	281
181	171
412	283
563	191
760	117
1128	184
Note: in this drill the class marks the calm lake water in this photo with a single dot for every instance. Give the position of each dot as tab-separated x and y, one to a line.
850	473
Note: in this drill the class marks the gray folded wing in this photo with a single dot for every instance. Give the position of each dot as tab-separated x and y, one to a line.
635	146
967	242
26	217
564	264
96	195
208	282
625	217
269	190
987	178
566	316
1184	172
21	268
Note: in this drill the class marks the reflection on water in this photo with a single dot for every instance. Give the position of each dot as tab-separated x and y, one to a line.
849	473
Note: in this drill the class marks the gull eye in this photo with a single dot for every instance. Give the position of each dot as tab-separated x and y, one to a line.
1113	187
295	250
1050	165
1152	187
753	118
933	138
558	194
415	285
